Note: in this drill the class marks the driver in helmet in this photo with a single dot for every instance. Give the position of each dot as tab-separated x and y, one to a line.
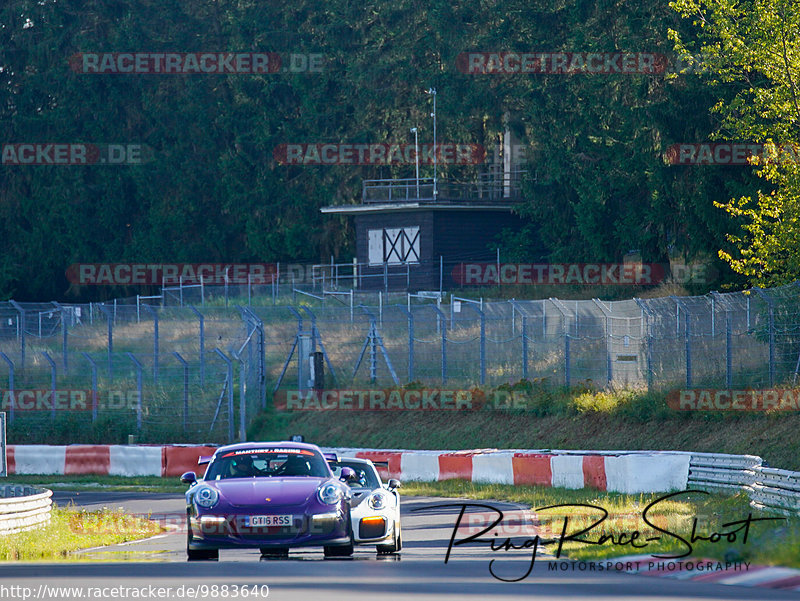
242	466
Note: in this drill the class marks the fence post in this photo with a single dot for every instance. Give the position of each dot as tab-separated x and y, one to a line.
10	384
567	374
524	347
52	384
229	364
139	369
482	342
155	343
242	398
21	331
648	331
410	346
728	350
688	332
185	387
771	333
64	347
94	384
110	319
609	362
202	345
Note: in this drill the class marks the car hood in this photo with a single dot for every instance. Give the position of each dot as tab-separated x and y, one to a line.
280	491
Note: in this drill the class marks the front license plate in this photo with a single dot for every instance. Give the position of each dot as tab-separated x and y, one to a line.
267	520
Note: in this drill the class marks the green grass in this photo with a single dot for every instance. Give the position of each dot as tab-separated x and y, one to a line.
769	543
71	530
104	483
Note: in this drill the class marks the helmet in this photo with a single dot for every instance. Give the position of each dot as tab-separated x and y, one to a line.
242	464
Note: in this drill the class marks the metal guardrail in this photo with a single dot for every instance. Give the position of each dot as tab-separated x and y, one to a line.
721	472
24	508
768	488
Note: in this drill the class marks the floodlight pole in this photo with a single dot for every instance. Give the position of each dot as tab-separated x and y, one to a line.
432	92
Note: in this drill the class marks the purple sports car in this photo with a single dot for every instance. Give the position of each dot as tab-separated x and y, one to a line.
270	496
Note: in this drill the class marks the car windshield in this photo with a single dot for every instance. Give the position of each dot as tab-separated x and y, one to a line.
267	463
365	475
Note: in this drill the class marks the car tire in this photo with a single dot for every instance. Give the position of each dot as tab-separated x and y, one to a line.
342	550
394	546
198	554
274	552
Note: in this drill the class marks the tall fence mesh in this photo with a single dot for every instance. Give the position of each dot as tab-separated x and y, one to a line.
201	369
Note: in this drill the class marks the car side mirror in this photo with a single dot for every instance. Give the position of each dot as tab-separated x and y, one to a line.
189	478
394	483
348	474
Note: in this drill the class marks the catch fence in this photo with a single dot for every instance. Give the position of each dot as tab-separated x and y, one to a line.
165	372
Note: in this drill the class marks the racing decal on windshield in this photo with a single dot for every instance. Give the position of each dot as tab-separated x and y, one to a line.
274	451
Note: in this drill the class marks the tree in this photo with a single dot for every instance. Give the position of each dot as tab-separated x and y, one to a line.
752	47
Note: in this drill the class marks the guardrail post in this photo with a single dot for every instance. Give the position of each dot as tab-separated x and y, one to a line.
139	369
10	385
229	364
155	343
94	384
185	388
52	384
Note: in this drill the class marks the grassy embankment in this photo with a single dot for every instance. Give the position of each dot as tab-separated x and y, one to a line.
579	418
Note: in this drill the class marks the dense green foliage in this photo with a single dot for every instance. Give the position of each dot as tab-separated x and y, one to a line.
214	192
753	49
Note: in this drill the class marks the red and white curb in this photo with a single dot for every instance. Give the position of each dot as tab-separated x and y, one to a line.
617	471
607	470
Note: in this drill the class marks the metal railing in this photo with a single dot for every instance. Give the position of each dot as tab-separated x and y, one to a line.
488	189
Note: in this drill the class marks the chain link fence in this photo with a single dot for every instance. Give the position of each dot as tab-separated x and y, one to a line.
168	372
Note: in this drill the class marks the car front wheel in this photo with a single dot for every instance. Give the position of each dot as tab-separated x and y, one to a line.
395	545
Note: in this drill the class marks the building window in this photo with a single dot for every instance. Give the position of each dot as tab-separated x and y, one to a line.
393	245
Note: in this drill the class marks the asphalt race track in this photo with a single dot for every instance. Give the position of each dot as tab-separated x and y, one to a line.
418	573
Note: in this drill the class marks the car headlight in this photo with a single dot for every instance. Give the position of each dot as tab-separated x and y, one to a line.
205	496
330	494
377	501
